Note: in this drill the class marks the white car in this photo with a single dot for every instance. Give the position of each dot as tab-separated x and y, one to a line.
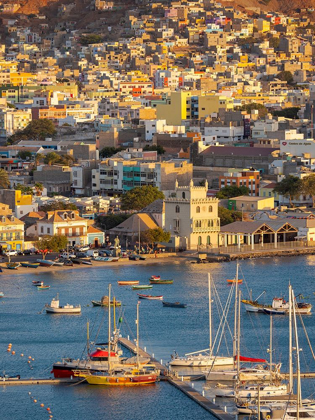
67	255
84	248
11	253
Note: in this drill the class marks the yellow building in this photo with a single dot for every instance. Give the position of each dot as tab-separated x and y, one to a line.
11	232
263	25
212	103
177	108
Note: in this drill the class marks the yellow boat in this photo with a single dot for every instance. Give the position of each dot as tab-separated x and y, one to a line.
125	378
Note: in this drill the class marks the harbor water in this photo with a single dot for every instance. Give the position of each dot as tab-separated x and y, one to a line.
48	338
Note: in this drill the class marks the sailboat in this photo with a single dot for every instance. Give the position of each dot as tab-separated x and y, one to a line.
203	358
98	360
256	373
121	377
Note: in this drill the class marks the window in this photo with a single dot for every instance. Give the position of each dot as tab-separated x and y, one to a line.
197	209
42	229
210	209
177	209
199	240
48	231
183	195
208	240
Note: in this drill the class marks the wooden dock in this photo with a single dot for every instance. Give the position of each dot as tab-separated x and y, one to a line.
183	386
31	381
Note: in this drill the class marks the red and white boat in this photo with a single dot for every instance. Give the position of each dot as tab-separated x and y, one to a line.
155	278
149	297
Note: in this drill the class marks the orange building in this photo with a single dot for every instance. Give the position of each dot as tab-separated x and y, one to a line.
50	112
245	178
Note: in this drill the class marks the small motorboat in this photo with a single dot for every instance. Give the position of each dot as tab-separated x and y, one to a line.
149	297
59	263
1	294
76	260
29	264
161	281
43	287
55	308
155	278
68	263
142	286
13	265
231	281
134	257
174	304
128	282
104	302
38	283
270	311
86	262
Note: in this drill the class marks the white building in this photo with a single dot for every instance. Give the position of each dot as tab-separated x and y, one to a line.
225	134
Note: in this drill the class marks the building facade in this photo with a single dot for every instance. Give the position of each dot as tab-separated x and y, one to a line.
192	218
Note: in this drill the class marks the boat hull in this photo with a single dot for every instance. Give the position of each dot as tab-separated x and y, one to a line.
202	361
128	283
121	380
63	311
150	297
45	263
99	303
29	265
142	287
161	281
174	305
231	375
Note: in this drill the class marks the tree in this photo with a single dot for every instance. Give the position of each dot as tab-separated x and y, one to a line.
4	179
39	187
110	221
51	243
274	42
140	197
285	76
154	148
58	205
35	130
152	236
291	112
90	39
262	110
228	216
290	187
107	152
25	155
38	158
51	158
232	191
25	189
308	186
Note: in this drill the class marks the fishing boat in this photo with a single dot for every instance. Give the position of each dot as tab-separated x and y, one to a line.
231	281
45	263
86	262
37	283
155	278
279	306
43	287
149	297
128	282
134	257
68	263
123	377
55	308
104	302
29	264
59	263
251	391
161	281
142	286
76	261
98	360
1	294
13	265
104	259
174	304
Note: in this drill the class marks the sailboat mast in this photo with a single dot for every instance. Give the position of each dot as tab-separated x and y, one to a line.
210	315
109	326
137	322
88	337
235	313
270	347
298	370
290	342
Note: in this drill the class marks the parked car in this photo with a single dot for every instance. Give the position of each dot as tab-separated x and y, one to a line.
105	253
20	253
67	255
92	253
11	253
84	248
28	252
82	255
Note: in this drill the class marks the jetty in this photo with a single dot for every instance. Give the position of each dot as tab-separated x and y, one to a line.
181	384
32	381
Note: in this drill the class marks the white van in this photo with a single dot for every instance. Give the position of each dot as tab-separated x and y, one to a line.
92	253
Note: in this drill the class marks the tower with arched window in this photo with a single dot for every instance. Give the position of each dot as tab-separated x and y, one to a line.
192	217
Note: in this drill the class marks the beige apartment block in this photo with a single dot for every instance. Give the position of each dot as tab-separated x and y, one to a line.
192	217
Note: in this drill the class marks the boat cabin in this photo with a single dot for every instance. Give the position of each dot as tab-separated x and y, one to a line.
101	355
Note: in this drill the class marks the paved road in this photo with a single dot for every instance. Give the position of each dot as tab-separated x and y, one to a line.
19	258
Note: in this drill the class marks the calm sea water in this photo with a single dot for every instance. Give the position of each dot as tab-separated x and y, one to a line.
48	338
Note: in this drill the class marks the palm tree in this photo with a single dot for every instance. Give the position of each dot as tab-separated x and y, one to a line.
51	158
38	188
4	179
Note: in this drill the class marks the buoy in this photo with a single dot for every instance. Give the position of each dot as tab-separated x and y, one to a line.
22	354
48	409
28	361
35	401
13	352
42	405
33	360
8	350
10	344
29	357
29	393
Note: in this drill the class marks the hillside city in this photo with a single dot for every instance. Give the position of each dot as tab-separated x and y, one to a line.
162	126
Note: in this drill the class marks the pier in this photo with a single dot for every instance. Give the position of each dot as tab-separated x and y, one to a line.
181	384
31	381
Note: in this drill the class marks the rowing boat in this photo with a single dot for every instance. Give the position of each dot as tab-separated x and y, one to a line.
43	287
128	282
231	281
142	286
161	281
174	304
150	297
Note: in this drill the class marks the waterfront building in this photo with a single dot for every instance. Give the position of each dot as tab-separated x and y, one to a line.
95	237
64	222
11	232
21	204
251	204
246	178
192	217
